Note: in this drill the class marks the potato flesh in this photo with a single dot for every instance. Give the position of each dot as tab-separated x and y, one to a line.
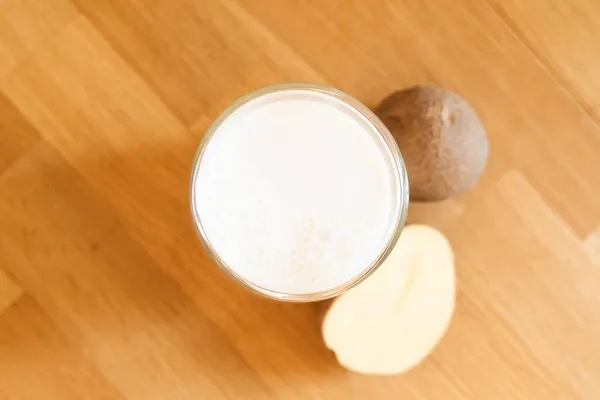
394	319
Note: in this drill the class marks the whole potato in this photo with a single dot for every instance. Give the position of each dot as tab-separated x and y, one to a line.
441	138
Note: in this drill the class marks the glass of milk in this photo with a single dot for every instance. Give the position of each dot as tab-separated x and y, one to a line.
298	192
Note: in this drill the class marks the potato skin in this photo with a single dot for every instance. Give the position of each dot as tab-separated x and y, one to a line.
441	138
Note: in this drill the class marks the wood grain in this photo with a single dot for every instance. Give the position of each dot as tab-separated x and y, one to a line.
26	25
18	135
569	53
9	291
592	245
105	291
38	362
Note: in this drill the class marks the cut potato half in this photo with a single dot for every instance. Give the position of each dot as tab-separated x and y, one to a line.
390	322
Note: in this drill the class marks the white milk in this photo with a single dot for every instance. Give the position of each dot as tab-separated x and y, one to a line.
296	192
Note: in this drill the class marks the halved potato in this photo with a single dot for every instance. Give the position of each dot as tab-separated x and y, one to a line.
393	320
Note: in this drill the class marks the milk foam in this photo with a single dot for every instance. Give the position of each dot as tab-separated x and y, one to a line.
296	192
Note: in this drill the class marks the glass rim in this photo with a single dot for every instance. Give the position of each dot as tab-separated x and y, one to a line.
399	172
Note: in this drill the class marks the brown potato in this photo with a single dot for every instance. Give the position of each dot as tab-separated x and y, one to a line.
442	140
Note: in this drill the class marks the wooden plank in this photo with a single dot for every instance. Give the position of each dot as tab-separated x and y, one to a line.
592	245
37	362
66	247
9	291
563	35
531	277
117	130
16	133
437	214
192	53
26	25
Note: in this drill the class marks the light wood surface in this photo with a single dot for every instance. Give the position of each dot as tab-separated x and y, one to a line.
105	292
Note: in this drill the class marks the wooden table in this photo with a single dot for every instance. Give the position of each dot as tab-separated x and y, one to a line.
105	292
